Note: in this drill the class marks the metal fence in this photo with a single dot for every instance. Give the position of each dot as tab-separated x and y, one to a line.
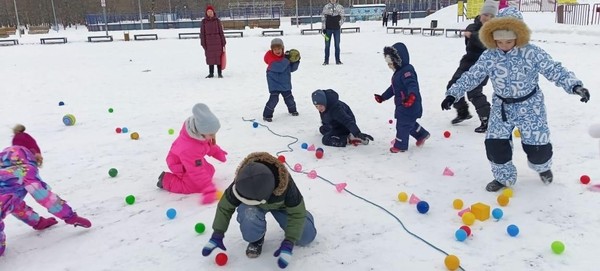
537	5
578	14
595	14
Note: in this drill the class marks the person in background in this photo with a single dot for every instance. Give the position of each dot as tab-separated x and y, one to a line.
213	41
332	20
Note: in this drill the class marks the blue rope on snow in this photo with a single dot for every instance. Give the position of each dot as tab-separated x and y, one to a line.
290	149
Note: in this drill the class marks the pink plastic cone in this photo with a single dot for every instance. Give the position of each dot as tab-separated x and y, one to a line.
340	187
413	199
311	147
448	172
595	187
464	211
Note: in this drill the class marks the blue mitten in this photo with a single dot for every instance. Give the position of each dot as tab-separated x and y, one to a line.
284	253
216	241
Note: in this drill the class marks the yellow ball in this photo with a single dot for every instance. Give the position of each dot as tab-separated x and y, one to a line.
507	192
503	200
135	136
468	218
452	262
457	204
219	194
517	133
402	197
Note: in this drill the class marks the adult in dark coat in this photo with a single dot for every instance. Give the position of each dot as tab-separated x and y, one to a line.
395	17
474	49
384	18
338	123
213	41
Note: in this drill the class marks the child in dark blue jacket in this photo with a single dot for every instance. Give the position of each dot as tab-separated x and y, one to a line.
279	77
405	90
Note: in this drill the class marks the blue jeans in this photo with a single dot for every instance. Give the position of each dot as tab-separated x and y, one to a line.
254	226
332	34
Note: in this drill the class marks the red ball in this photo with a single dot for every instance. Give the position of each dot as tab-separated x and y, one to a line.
319	154
118	130
584	179
391	121
221	259
447	134
281	158
466	229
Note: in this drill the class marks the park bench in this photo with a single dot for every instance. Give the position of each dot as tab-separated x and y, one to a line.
354	29
432	31
7	42
234	33
274	32
59	40
38	30
317	30
145	37
100	38
457	32
412	30
193	35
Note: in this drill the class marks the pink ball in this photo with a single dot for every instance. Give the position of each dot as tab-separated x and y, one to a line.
447	134
298	167
312	174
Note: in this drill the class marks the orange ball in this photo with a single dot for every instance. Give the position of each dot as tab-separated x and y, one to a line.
135	136
457	204
502	200
452	262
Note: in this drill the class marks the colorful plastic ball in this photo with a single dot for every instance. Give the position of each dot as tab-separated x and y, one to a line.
512	230
200	228
219	194
281	158
447	134
113	172
110	110
402	196
171	131
507	192
502	200
69	120
171	213
61	103
298	167
319	154
134	136
390	121
320	149
468	218
460	235
304	146
221	259
130	199
584	179
312	174
423	207
466	229
125	130
497	213
255	124
118	130
557	247
516	133
452	262
457	204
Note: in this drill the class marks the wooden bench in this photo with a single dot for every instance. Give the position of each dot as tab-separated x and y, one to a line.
38	30
412	30
234	33
6	42
355	29
145	37
100	38
432	31
457	32
317	30
274	32
59	40
189	36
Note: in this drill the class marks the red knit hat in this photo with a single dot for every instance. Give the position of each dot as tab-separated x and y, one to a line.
210	7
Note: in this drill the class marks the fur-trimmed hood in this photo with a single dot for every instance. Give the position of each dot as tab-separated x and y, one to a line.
509	18
282	177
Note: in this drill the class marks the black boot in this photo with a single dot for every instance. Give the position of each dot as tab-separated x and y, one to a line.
160	180
254	249
219	71
547	176
483	127
211	71
494	186
463	114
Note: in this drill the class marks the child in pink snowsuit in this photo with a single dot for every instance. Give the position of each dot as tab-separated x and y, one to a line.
18	177
190	172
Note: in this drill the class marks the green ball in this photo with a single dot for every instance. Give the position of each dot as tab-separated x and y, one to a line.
113	172
130	199
110	110
558	247
200	228
171	131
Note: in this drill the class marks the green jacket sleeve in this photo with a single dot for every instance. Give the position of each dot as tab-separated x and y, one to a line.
225	210
295	222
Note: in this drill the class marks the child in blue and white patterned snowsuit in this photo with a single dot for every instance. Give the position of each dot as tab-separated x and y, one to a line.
514	65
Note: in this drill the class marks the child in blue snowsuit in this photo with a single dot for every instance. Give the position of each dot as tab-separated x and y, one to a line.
513	66
407	98
279	77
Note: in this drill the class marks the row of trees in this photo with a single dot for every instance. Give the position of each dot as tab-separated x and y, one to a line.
40	12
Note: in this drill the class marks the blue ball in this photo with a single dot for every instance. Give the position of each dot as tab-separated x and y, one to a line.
304	146
497	213
124	130
512	230
423	207
460	235
171	213
255	124
61	103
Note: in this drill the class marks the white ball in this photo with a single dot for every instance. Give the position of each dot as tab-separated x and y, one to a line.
595	130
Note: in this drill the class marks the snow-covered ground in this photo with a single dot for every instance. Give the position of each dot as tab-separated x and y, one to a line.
152	85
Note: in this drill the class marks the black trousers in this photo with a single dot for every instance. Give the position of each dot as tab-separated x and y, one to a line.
475	96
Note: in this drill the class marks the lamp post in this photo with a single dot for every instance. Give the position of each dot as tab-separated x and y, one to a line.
297	21
54	13
17	15
141	19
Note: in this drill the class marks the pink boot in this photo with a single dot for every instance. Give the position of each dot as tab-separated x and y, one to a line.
76	220
45	223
